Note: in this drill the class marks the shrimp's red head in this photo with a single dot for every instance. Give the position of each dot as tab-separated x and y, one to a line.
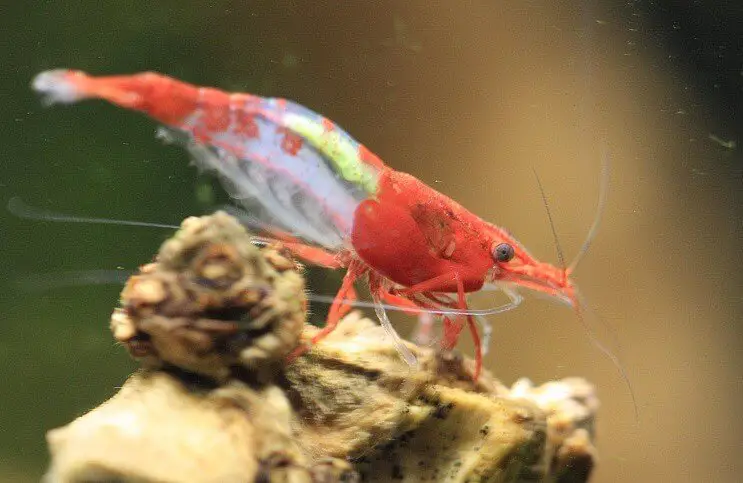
167	100
514	265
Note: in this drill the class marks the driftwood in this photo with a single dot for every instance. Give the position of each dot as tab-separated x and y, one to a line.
212	321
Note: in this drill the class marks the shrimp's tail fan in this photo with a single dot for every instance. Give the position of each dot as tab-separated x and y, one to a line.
58	87
289	167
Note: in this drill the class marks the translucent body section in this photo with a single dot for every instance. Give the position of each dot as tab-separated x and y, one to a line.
304	183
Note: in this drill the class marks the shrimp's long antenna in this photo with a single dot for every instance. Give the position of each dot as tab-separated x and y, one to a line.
601	205
608	353
43	282
20	209
577	297
560	256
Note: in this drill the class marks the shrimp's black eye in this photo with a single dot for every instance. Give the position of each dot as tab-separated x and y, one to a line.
503	252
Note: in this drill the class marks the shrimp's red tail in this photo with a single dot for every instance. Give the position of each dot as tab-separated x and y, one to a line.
168	100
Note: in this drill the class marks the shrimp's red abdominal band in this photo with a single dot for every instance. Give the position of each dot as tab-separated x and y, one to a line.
331	200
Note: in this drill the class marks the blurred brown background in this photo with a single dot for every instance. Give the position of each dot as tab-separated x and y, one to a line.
469	97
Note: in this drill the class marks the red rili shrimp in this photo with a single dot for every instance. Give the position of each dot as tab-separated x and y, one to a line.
333	202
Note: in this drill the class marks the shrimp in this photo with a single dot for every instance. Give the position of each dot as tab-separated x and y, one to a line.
333	202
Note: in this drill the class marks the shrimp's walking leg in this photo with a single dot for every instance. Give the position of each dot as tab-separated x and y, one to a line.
423	334
402	349
406	305
314	255
308	253
415	308
342	303
341	306
451	331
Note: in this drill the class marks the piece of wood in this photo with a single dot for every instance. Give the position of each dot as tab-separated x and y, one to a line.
212	321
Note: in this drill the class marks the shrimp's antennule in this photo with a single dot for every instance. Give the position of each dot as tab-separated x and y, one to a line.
560	256
600	207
